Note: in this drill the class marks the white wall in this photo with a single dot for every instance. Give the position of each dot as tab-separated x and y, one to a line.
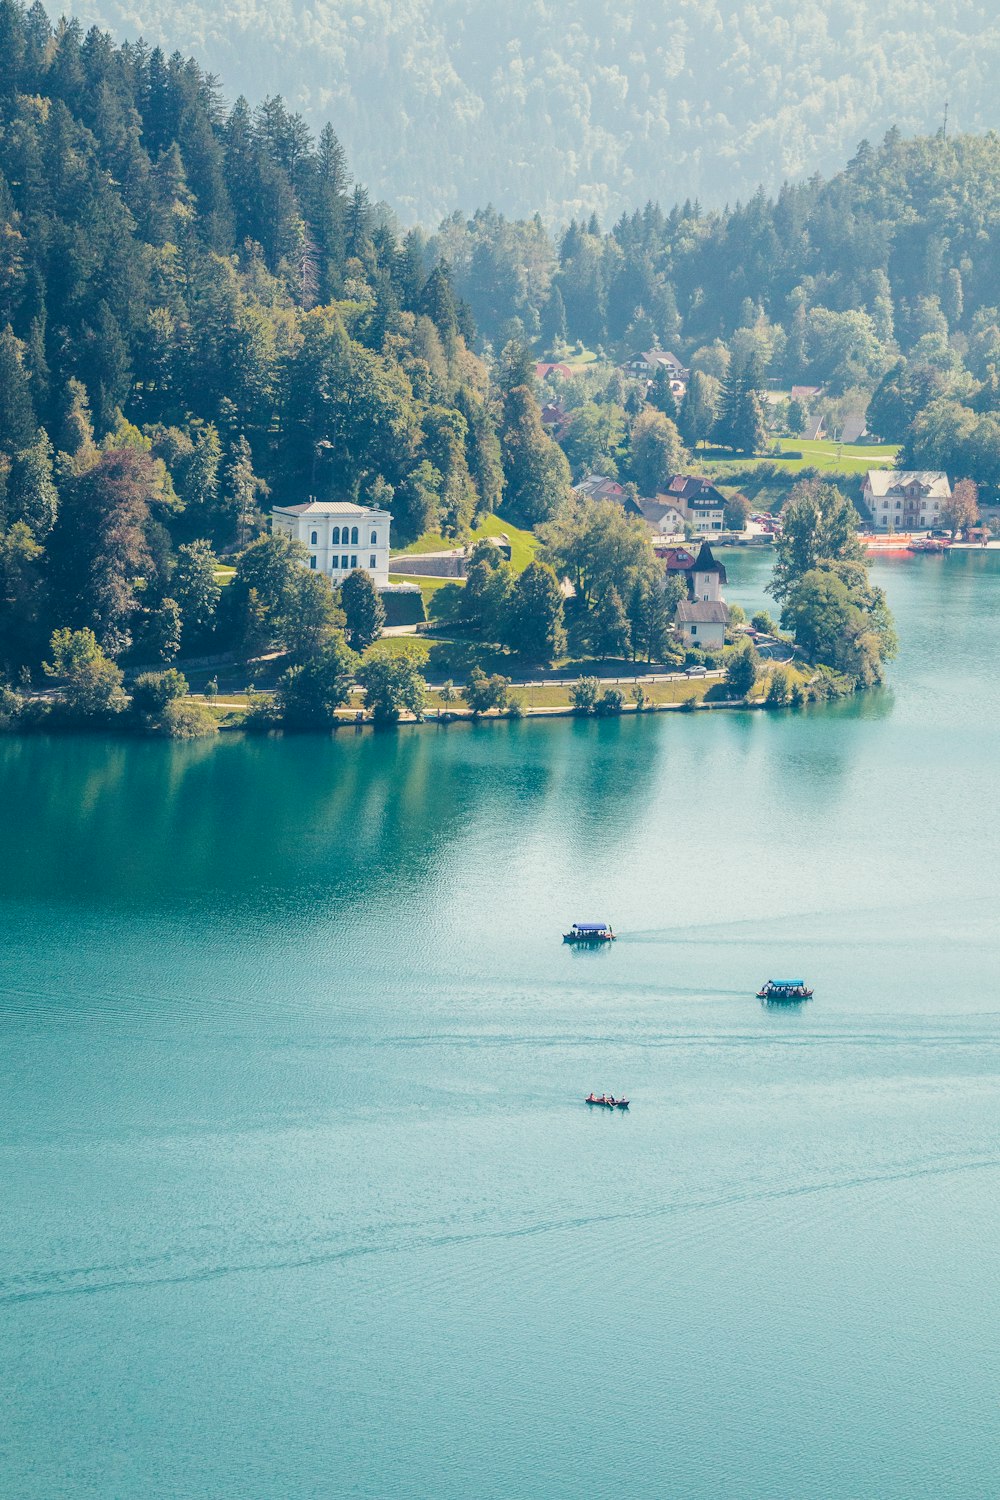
335	559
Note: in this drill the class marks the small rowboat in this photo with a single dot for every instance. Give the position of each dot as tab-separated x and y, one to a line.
589	932
606	1101
787	991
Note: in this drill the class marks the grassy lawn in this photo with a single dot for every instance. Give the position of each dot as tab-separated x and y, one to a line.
830	458
431	541
429	587
410	647
842	458
550	695
523	546
577	358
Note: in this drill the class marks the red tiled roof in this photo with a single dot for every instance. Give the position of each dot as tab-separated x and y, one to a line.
677	559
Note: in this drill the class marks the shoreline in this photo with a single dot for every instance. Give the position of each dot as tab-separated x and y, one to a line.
461	717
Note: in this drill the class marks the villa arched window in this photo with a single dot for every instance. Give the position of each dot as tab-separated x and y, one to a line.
335	539
314	539
374	538
354	536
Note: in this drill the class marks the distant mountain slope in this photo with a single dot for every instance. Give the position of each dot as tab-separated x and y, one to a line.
585	106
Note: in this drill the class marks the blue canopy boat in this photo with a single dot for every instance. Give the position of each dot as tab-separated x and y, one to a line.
788	990
589	932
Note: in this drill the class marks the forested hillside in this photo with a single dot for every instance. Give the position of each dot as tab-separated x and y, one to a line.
201	312
880	285
197	311
567	109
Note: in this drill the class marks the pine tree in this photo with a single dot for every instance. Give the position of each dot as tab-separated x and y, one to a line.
661	395
609	630
649	618
75	433
240	488
364	609
553	320
32	496
536	627
750	431
537	474
195	587
17	413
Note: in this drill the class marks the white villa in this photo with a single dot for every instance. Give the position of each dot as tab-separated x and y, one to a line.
906	500
340	537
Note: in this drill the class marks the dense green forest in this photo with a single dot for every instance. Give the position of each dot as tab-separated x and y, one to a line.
881	285
201	312
196	311
574	108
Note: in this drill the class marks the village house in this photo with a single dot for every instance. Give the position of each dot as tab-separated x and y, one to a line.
906	500
555	420
701	620
675	559
599	487
650	361
661	515
339	536
698	501
542	371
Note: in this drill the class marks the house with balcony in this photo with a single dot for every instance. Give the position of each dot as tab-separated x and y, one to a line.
699	502
906	500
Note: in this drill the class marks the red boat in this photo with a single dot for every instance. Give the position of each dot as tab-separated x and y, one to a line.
607	1101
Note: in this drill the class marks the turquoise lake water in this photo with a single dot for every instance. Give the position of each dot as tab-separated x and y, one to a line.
299	1197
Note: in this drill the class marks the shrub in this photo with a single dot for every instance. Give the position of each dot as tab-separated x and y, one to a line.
263	714
183	719
583	695
11	707
212	688
741	671
310	694
483	693
762	621
93	684
515	707
391	685
611	701
779	688
153	691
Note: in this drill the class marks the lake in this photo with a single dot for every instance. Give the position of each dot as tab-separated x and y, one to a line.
299	1195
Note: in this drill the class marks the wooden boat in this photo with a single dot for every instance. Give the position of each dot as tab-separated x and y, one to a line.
589	932
606	1101
785	991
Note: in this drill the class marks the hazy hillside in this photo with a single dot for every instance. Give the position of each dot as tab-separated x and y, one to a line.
580	106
